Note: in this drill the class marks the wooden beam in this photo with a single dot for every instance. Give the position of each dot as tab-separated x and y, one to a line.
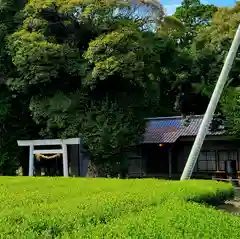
43	142
71	141
208	138
47	151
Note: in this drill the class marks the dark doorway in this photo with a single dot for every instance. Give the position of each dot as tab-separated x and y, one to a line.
156	156
49	167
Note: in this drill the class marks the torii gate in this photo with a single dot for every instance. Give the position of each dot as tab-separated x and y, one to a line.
46	142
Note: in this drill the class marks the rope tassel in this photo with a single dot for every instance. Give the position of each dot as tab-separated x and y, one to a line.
39	156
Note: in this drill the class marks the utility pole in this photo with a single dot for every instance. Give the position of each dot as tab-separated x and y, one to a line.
193	156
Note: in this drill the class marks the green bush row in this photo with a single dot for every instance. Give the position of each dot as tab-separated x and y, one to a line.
107	208
173	219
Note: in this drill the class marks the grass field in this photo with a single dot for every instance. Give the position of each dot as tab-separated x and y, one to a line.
102	208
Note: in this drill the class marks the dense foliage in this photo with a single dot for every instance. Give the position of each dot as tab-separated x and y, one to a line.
97	69
112	208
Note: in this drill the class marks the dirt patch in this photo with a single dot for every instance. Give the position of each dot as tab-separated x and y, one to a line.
232	206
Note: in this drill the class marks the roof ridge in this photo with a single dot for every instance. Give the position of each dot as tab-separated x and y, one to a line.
173	117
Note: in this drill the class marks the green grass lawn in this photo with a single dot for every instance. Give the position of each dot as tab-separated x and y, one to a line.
113	208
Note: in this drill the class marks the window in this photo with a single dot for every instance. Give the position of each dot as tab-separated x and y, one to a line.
211	161
226	155
222	157
207	161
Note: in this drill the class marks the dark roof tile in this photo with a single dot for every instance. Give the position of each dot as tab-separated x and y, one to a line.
169	129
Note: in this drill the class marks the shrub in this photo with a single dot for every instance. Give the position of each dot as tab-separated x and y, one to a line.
112	208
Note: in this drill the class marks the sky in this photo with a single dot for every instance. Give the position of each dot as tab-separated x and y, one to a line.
171	5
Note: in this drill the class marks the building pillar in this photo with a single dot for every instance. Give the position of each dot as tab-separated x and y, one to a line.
31	160
65	160
73	158
170	163
238	159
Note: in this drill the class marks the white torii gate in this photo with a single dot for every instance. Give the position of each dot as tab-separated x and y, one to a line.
46	142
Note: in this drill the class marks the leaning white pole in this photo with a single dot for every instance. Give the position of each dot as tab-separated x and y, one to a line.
193	156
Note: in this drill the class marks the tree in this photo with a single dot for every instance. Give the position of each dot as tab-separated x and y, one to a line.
194	70
216	40
12	120
194	15
90	69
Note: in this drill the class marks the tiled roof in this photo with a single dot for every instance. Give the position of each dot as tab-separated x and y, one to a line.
169	129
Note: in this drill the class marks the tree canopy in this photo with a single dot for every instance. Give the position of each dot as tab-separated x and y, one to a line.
97	69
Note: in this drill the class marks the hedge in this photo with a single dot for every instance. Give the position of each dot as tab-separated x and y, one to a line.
113	208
